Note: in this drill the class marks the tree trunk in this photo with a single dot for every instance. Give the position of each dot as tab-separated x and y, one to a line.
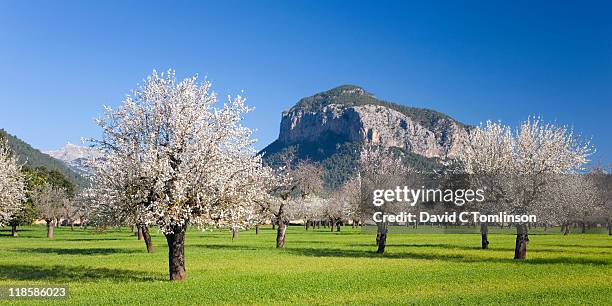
332	225
234	233
522	238
49	229
583	227
147	238
484	231
176	253
14	230
381	238
610	226
140	237
273	225
338	226
256	229
280	235
566	229
306	224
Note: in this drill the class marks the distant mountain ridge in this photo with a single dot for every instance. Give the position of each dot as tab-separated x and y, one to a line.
75	156
331	126
34	158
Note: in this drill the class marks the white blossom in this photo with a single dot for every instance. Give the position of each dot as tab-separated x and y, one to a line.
12	184
171	157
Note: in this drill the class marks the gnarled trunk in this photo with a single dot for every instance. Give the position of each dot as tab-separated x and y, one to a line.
140	236
484	232
522	238
381	237
176	253
338	226
49	228
147	238
14	230
280	235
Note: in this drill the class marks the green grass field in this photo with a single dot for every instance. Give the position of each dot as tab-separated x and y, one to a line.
317	267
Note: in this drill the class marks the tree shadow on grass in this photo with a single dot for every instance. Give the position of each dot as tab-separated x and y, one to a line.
74	251
320	252
93	239
493	247
70	274
236	247
309	242
581	246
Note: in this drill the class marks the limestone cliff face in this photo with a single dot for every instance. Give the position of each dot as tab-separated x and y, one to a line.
355	115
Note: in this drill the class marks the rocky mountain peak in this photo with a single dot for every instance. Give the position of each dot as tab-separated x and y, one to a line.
75	156
345	94
351	114
71	152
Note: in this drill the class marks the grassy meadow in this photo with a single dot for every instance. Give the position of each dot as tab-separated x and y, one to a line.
422	266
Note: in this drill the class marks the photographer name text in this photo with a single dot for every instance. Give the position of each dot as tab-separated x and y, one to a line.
452	217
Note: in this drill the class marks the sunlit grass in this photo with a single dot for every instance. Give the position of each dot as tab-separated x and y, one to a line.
423	266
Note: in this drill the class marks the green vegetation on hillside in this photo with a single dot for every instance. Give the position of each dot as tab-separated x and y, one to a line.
351	95
317	267
339	158
33	158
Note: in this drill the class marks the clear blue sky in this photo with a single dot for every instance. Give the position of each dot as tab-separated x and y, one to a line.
60	61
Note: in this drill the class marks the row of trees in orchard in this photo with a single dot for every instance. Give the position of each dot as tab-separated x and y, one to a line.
539	169
174	157
29	194
535	169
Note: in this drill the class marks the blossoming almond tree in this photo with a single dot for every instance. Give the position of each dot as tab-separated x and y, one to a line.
487	157
350	195
573	197
116	196
182	151
380	169
287	190
529	161
542	152
12	184
49	203
603	181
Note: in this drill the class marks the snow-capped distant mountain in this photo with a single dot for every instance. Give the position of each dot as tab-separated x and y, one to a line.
75	156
